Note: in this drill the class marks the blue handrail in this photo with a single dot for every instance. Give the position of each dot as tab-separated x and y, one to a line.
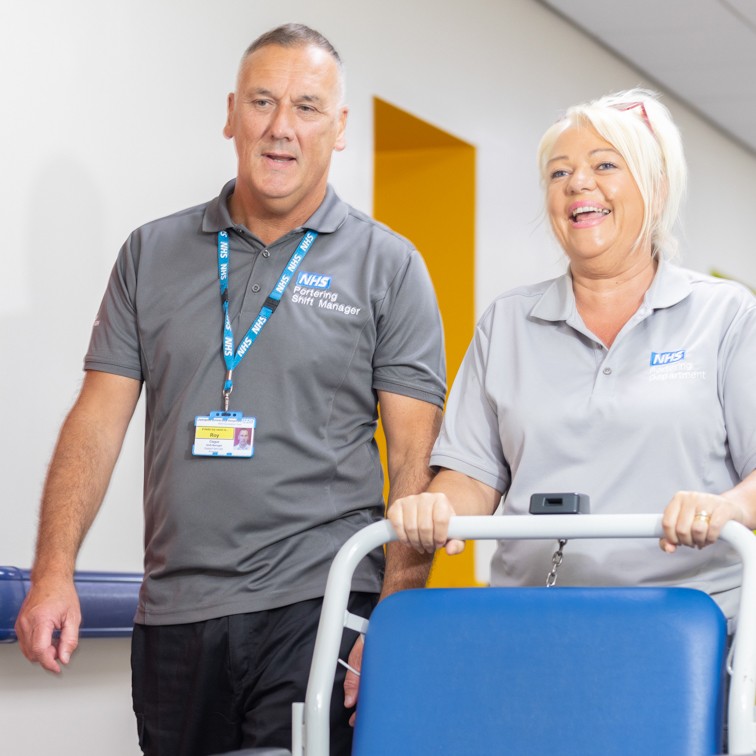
108	602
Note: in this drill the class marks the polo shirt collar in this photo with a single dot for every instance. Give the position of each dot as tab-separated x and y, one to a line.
329	216
671	285
557	302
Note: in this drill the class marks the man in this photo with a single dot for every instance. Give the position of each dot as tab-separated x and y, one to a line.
339	315
242	439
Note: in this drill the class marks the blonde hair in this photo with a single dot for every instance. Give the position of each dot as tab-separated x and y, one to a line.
641	129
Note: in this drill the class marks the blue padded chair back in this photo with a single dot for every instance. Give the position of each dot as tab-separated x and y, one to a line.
531	671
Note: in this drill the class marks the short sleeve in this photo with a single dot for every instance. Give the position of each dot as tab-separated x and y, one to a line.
738	368
409	354
469	441
114	343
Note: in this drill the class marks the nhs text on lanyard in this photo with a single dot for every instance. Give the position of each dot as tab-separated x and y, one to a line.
231	358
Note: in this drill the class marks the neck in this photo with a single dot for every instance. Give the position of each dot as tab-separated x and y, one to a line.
606	303
270	221
593	285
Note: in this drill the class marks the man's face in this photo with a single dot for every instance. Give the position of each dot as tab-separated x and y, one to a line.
286	119
243	438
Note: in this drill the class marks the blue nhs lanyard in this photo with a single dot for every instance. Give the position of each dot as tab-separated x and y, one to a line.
231	358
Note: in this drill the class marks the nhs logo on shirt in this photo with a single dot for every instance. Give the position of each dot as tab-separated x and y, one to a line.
667	358
314	280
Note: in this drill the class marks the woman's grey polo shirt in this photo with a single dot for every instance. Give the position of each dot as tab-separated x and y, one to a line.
225	536
540	405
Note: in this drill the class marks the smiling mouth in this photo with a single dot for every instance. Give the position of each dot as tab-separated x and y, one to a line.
588	212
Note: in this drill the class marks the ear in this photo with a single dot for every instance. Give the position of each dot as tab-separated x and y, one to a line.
228	130
340	142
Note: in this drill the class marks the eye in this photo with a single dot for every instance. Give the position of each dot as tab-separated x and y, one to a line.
261	104
557	174
606	166
307	110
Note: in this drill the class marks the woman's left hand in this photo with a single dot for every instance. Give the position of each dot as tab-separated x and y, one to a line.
696	519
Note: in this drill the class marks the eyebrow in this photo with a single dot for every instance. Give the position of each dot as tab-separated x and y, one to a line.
300	98
592	152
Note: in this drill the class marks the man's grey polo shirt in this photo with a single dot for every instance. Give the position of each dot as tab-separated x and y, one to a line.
226	536
539	406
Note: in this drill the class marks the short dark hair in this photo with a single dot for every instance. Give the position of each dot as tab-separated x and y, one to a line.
293	35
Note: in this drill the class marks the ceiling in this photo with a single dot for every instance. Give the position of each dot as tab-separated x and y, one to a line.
702	51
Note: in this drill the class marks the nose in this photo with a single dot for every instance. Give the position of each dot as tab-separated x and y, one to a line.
581	180
282	123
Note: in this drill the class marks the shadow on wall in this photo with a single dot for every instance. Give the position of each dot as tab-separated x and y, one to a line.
59	281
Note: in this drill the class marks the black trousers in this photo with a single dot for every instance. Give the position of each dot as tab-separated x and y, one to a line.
228	683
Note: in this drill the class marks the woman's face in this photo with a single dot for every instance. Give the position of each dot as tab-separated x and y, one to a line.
595	207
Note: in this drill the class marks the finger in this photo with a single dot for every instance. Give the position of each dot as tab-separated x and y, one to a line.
40	639
352	681
69	640
667	546
48	660
716	523
22	634
396	518
351	689
442	514
685	522
699	529
669	523
409	521
454	547
426	526
42	648
433	523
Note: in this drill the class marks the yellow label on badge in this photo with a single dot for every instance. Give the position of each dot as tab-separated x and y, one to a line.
211	432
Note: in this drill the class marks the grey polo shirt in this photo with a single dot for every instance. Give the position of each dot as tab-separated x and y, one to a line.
225	536
540	405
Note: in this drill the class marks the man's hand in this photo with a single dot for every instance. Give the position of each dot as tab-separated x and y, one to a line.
50	605
352	681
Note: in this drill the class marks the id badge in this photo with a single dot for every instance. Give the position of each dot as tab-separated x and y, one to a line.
223	434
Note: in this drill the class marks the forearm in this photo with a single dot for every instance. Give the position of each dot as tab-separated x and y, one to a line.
74	489
466	495
743	497
82	464
405	567
411	429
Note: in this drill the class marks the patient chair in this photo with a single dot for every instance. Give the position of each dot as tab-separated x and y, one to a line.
531	671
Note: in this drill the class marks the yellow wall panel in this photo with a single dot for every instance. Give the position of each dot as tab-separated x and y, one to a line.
424	188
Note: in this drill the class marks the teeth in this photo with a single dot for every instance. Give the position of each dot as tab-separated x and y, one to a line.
589	209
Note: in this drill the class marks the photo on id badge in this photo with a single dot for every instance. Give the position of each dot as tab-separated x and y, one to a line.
223	434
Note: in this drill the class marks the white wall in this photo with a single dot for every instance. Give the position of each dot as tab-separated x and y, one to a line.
112	116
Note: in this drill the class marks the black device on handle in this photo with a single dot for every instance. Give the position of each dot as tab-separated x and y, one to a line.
560	503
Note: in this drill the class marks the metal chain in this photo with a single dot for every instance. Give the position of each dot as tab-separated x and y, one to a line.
556	560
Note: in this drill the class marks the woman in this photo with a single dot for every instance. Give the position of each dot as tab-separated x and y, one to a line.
628	378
